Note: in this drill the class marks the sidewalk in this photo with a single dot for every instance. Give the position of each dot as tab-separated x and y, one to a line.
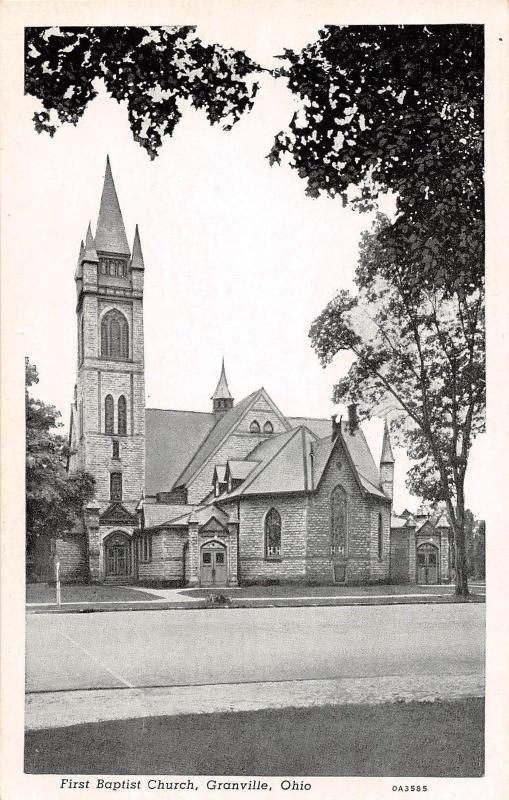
122	598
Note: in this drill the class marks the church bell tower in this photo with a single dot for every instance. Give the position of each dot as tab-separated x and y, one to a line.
108	413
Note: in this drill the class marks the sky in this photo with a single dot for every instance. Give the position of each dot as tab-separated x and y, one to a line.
239	262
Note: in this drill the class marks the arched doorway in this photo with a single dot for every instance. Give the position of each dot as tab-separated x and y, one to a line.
117	555
427	563
213	567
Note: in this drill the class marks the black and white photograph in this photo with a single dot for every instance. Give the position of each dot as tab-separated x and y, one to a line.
244	282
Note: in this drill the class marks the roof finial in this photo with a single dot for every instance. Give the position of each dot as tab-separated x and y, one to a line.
387	456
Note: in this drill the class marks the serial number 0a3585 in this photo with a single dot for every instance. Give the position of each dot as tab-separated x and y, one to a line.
405	787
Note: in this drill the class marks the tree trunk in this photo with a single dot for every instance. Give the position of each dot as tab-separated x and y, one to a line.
459	545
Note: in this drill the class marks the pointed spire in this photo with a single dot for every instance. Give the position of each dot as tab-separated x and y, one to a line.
110	232
387	456
222	391
90	253
79	271
137	256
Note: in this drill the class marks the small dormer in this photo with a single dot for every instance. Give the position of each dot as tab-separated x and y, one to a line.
219	481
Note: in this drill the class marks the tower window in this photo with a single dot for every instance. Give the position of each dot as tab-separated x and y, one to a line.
254	427
122	416
116	486
115	336
380	537
81	418
273	534
108	415
116	449
268	427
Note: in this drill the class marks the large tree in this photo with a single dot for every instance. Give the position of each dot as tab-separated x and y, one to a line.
419	354
54	498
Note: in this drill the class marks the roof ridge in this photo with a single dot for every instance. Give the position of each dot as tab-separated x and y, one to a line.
181	411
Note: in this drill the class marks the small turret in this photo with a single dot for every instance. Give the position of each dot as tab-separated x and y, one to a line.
387	464
222	400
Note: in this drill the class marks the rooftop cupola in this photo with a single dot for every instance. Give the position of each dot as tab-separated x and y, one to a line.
222	400
110	236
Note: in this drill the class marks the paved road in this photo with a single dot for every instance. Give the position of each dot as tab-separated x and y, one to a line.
171	648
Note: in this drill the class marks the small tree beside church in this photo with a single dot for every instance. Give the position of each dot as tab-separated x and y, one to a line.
54	499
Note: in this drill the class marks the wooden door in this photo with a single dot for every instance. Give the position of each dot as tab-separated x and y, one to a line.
213	571
427	564
117	555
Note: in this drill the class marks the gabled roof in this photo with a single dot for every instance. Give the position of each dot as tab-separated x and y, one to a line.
202	515
284	465
219	473
320	427
171	439
215	437
110	231
222	391
239	470
362	459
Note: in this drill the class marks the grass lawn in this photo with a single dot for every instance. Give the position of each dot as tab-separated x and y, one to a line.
75	593
289	590
414	739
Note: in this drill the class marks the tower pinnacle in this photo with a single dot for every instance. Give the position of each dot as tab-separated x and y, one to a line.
387	456
110	236
137	256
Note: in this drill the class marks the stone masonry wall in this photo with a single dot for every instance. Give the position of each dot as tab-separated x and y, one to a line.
253	564
167	558
72	555
319	563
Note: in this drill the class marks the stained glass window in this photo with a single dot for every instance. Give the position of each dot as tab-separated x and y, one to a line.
273	534
115	336
338	522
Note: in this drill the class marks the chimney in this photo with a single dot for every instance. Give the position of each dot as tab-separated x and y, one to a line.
336	426
353	420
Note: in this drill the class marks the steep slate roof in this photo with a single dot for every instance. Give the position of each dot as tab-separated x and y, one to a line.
320	427
171	439
110	232
239	470
216	435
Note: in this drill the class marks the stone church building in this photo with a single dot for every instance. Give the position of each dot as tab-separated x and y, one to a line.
237	494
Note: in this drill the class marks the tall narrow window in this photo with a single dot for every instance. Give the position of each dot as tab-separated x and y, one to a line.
273	534
268	427
122	416
81	418
115	336
380	536
108	415
338	522
82	349
116	450
254	427
116	486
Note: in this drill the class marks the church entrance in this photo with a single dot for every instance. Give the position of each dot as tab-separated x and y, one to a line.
213	564
117	550
427	564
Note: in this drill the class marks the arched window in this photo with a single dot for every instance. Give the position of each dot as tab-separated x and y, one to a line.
338	522
115	336
108	415
380	536
273	534
254	427
116	486
268	427
122	416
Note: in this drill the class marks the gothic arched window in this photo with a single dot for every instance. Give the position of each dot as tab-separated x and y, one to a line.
380	536
268	427
116	486
254	427
108	415
122	416
115	336
273	534
338	522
